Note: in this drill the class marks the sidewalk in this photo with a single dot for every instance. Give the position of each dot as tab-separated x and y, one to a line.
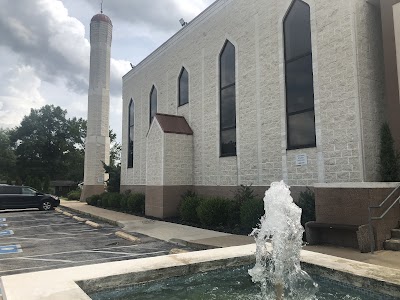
204	239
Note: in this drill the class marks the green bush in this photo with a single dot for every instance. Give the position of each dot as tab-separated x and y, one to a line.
136	203
389	157
74	195
124	203
105	200
250	213
244	193
213	211
93	200
233	208
188	209
114	200
307	204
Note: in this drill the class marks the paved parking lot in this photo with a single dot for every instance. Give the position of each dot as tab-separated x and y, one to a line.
33	240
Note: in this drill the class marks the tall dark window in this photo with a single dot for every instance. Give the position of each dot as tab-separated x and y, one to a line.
131	124
299	77
227	100
153	103
183	87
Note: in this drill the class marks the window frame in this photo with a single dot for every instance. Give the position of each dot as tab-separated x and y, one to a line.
131	128
221	88
179	87
289	146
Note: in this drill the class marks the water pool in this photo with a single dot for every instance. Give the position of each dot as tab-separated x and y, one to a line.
225	284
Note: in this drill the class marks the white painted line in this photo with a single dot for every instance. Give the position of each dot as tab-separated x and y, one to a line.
3	219
111	252
64	224
45	259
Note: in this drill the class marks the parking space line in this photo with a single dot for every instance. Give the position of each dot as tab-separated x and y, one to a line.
110	252
64	224
46	259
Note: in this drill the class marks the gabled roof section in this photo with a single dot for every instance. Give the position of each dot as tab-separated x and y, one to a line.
174	124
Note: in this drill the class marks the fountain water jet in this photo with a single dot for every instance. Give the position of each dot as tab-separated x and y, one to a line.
278	262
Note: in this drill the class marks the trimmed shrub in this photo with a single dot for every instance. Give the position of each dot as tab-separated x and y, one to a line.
389	157
250	213
74	195
93	200
307	204
136	203
233	208
114	200
188	209
105	197
124	203
213	211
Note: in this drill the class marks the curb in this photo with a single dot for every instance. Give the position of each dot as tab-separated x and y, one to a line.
79	219
57	210
93	224
177	251
192	244
109	221
67	214
127	236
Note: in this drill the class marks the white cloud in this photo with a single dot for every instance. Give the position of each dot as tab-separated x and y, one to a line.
19	93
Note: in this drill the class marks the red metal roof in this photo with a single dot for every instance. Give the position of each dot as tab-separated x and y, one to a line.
101	18
174	124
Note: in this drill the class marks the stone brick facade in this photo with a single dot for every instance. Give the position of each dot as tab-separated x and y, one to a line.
348	88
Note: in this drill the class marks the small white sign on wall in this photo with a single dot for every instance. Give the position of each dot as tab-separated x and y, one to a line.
301	160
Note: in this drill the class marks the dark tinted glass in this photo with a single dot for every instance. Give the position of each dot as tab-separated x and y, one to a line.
297	31
131	113
301	129
184	87
153	103
228	142
131	133
227	65
228	107
299	84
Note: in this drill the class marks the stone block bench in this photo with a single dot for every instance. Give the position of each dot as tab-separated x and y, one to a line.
353	236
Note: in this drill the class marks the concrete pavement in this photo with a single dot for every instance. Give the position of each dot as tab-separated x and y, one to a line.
204	239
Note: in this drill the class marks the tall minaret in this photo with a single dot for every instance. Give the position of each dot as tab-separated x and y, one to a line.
97	148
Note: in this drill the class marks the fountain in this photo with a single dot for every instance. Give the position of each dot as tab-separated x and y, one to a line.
278	244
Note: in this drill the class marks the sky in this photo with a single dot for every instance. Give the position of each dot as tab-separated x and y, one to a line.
45	49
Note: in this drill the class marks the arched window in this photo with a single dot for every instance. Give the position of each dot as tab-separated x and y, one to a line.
299	77
227	100
153	103
131	126
183	87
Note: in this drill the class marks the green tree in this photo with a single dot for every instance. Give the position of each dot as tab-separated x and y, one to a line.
389	157
114	180
45	143
7	156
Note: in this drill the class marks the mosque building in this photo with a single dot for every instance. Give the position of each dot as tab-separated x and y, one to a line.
252	92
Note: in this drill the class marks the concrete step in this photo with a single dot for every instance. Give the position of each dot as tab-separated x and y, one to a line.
392	244
395	233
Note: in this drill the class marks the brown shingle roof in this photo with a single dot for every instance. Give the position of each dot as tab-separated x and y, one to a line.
174	124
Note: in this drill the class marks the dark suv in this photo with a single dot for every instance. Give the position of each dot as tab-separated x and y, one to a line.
12	197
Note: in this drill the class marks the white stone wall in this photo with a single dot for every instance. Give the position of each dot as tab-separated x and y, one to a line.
178	159
155	155
255	28
371	83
